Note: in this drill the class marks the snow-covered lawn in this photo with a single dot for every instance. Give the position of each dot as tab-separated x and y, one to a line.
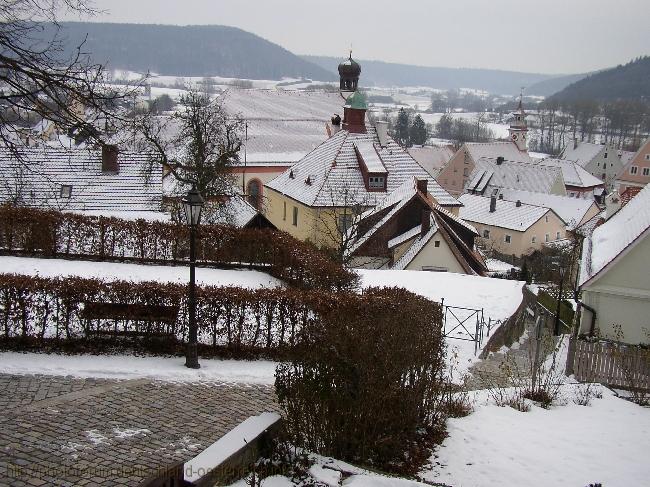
134	272
606	442
499	299
132	367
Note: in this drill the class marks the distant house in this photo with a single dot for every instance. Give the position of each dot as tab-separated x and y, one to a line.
600	160
636	172
614	275
578	182
103	179
491	175
282	126
432	158
512	227
408	230
455	175
352	171
574	211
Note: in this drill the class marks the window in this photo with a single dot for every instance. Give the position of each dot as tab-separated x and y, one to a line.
547	237
486	233
507	239
605	156
254	190
434	268
466	172
647	157
436	243
376	182
546	218
295	216
557	235
646	171
284	211
66	191
534	239
634	170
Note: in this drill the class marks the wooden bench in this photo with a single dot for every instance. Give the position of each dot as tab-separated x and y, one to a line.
153	315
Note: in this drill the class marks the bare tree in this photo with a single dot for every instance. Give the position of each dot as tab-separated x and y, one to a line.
198	143
37	78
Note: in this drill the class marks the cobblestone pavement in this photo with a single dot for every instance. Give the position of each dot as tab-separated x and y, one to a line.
64	431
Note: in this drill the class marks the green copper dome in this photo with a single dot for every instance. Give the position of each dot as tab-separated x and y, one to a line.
358	101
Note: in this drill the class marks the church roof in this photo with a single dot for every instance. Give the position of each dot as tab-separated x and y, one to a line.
330	175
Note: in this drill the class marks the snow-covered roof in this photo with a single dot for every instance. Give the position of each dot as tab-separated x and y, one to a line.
330	175
408	235
45	175
489	175
571	210
582	153
432	158
283	125
609	240
366	149
573	173
508	215
507	150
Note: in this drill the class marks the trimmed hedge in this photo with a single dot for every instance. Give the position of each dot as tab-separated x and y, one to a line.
53	233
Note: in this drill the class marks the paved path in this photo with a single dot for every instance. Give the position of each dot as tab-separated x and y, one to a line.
63	431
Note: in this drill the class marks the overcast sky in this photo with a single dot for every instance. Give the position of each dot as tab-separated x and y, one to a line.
544	36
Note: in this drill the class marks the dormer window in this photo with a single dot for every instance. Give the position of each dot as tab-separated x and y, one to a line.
66	191
376	182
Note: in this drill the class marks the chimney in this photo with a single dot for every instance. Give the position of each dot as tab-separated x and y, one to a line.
109	158
382	133
575	143
426	221
493	204
500	160
518	203
421	185
336	123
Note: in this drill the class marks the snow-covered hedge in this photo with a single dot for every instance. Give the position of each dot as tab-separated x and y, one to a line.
53	233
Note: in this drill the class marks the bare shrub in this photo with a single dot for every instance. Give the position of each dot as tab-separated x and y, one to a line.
359	387
584	393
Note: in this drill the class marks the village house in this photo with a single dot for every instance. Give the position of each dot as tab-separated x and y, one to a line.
636	173
282	126
408	230
574	211
578	182
456	174
352	171
432	158
490	175
511	227
614	274
104	179
600	160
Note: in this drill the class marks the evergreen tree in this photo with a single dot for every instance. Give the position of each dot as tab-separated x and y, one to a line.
402	129
418	132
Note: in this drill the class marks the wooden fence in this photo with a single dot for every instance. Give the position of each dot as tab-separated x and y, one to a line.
612	364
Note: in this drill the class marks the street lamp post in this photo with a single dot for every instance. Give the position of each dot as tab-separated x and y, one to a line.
192	204
556	330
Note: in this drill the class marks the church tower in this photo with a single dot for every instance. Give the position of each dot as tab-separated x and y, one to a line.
349	71
518	128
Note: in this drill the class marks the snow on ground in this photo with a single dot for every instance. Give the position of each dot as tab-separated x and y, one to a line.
496	265
132	367
605	442
134	272
499	299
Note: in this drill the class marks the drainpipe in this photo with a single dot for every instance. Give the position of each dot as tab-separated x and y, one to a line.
592	327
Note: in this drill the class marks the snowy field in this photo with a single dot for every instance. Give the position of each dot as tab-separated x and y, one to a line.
131	367
134	272
572	445
499	299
